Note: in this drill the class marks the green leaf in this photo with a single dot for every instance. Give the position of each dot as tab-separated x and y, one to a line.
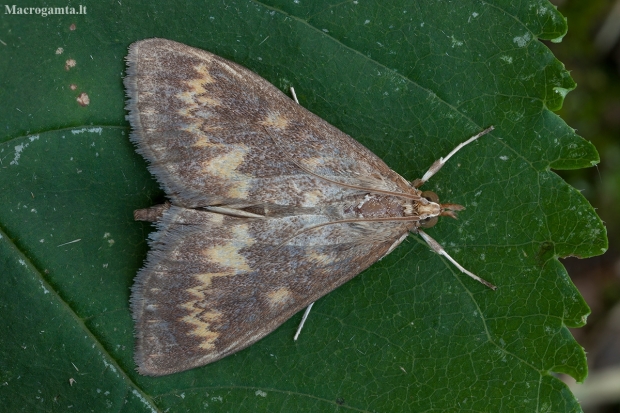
409	80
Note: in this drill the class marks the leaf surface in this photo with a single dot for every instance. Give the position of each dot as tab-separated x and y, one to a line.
409	80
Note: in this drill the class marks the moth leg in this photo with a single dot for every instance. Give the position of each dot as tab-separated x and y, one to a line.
303	321
436	166
296	101
439	250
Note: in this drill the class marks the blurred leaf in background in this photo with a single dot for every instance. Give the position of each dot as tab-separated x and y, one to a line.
591	51
409	80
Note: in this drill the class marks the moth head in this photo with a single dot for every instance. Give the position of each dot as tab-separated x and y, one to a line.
431	211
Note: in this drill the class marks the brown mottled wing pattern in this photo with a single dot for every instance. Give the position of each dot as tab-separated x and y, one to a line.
216	134
215	284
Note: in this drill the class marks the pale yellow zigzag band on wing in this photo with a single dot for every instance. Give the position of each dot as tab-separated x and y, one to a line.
322	259
195	101
203	141
201	321
224	256
195	112
275	120
227	255
224	167
279	297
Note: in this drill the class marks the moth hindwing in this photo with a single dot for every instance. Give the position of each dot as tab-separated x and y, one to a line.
270	206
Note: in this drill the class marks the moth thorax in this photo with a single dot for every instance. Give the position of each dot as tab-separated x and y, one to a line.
378	206
431	209
422	209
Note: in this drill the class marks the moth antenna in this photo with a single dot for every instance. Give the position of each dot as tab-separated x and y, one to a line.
439	163
303	319
305	316
361	188
233	212
439	250
346	221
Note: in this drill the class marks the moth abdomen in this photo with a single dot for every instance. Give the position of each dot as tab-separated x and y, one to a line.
152	214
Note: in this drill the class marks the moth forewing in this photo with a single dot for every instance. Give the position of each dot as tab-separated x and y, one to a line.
270	207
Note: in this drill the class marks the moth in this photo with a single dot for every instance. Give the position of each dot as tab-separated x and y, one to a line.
270	207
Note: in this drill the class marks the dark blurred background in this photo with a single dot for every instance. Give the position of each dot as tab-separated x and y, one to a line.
591	52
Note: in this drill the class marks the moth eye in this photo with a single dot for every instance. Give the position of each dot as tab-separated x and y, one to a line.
429	222
431	196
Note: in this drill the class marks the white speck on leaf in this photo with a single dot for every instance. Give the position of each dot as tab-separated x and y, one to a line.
456	42
521	41
18	153
261	393
503	158
70	63
507	59
143	400
110	366
92	130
